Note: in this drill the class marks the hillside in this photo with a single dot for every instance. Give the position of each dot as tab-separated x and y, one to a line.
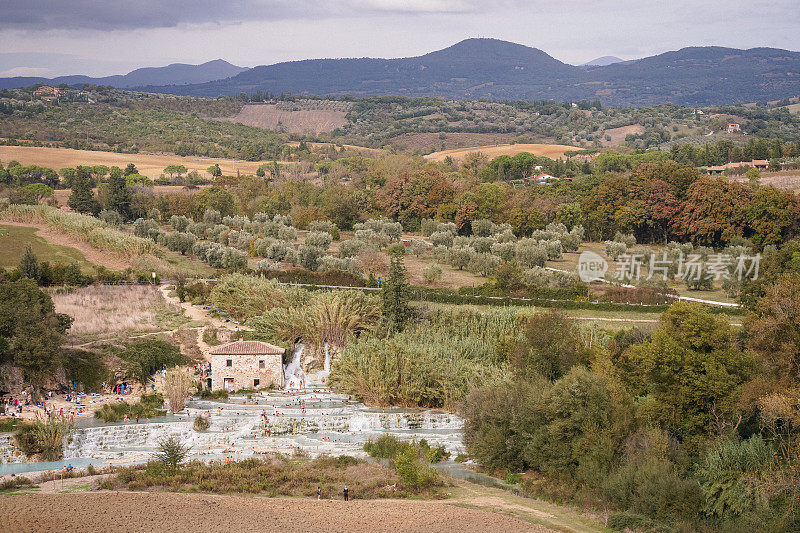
500	70
174	74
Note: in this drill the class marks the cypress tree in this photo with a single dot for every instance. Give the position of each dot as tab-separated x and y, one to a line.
395	296
119	197
29	265
82	198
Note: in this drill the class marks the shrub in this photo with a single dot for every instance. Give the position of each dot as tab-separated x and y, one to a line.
432	273
146	357
45	438
309	256
319	239
201	423
529	253
171	453
178	387
413	474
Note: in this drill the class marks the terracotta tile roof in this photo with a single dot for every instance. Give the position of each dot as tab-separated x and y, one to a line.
247	348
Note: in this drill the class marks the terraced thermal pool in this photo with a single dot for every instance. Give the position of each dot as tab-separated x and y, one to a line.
316	422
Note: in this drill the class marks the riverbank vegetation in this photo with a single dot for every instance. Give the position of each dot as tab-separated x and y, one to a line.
276	476
674	429
149	405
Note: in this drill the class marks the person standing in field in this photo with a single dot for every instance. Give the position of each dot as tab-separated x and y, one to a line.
319	493
346	494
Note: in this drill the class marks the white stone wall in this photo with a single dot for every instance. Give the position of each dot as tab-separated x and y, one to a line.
244	369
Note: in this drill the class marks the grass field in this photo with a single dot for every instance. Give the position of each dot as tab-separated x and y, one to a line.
150	165
553	151
14	239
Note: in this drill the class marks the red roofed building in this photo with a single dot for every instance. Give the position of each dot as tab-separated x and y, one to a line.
48	93
760	164
246	365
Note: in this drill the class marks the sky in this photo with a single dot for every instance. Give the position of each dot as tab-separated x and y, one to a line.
98	38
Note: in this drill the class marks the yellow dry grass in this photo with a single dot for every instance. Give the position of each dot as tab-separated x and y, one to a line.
553	151
110	309
150	165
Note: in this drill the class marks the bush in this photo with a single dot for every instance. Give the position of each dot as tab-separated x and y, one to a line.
201	423
171	453
432	273
319	239
309	256
413	474
44	438
146	357
149	405
206	394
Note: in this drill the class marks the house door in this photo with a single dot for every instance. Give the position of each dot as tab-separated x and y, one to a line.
227	384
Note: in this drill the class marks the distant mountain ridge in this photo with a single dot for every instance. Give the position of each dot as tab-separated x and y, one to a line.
602	61
501	70
174	74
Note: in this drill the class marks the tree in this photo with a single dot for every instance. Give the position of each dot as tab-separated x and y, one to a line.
216	172
178	386
31	332
774	327
130	169
82	198
175	169
689	374
39	191
395	296
118	197
145	358
553	346
172	453
29	265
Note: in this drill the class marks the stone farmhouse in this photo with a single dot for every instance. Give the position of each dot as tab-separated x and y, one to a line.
246	365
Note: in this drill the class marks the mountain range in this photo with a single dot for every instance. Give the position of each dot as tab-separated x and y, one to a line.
496	69
174	74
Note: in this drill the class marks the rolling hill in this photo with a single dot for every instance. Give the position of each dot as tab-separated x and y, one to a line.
494	69
174	74
497	69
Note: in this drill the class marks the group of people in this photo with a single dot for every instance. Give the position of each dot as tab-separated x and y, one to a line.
345	493
13	406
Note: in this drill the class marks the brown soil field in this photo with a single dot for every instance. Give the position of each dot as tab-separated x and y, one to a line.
267	116
170	512
150	165
427	141
552	151
785	179
618	134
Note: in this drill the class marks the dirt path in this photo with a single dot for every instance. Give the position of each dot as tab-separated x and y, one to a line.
172	512
544	514
92	255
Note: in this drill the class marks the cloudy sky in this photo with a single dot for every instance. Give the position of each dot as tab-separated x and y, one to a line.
58	37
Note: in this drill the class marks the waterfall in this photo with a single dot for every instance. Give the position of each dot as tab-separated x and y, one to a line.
318	422
293	372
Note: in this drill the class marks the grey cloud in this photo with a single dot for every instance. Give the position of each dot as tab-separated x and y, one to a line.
147	14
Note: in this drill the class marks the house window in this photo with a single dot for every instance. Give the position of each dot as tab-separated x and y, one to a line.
229	362
261	363
256	382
